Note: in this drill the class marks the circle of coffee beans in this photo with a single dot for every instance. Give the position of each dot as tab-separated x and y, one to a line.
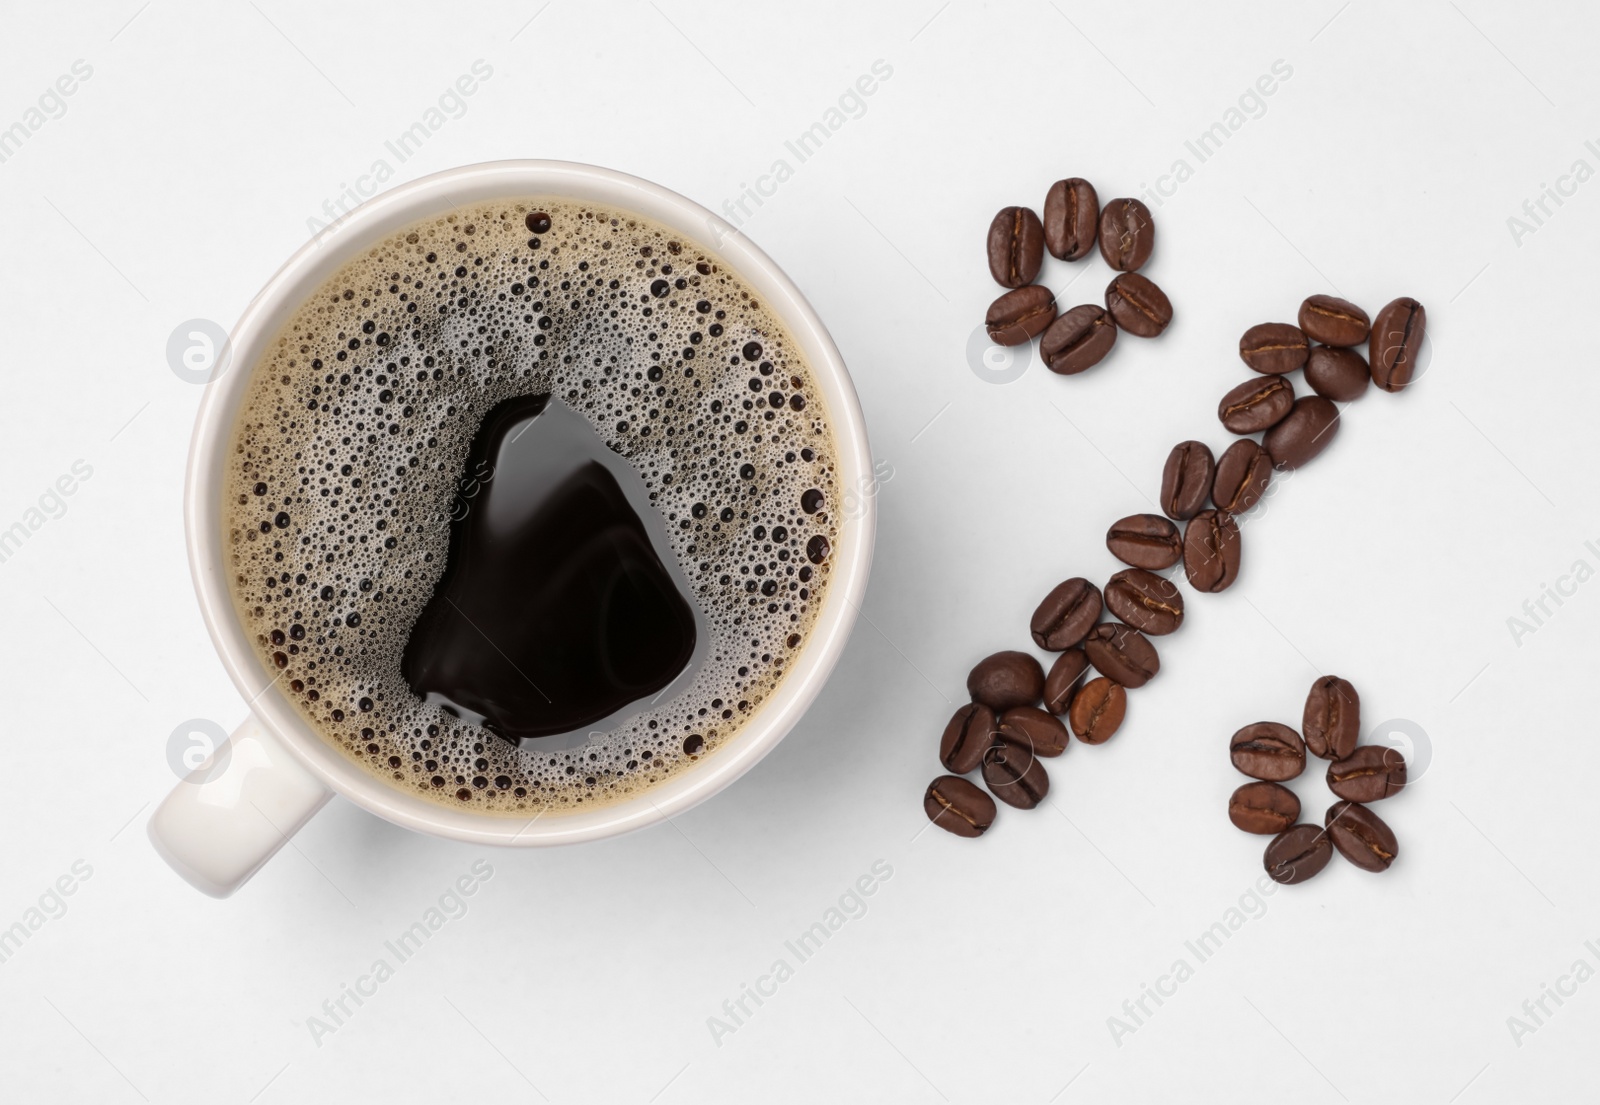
1080	337
1358	774
1014	685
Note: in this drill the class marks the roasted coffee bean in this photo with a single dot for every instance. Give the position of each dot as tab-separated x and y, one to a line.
1077	340
1146	601
1274	347
1298	853
1122	654
1267	750
1146	541
1337	374
1066	615
1333	321
1137	305
1369	774
1242	477
1186	480
1332	720
1211	551
1030	727
958	806
1020	316
1263	808
1305	431
1127	234
1016	247
1097	710
1256	405
1014	775
1006	679
1361	836
1071	213
1396	342
1063	678
971	729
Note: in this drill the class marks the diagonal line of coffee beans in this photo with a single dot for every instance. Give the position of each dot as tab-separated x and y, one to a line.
1272	753
1073	222
1003	733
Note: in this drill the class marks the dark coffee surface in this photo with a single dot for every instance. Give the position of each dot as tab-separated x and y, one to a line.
555	610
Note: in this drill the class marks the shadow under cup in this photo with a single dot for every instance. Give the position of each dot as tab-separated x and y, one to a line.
317	262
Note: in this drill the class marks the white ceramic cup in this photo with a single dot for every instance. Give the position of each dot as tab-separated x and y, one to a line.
219	826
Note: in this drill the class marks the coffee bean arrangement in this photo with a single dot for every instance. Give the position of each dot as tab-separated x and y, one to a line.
1080	337
1271	754
1296	429
1013	721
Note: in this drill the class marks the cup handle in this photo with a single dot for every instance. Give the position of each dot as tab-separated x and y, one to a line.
217	832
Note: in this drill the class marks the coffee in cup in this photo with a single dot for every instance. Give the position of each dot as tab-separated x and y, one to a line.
530	506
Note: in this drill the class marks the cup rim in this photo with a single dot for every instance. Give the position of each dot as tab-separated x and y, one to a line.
318	259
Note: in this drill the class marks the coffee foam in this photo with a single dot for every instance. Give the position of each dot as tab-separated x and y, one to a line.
346	464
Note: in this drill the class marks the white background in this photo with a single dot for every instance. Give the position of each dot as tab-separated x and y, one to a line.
184	171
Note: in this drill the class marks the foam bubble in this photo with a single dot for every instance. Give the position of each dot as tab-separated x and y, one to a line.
346	466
